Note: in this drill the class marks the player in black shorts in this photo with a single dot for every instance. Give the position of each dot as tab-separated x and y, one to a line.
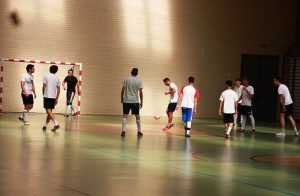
72	82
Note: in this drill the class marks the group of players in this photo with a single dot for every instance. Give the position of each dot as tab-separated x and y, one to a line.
51	92
235	102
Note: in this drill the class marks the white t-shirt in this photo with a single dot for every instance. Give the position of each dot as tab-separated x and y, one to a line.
238	91
189	94
52	82
246	99
28	81
173	96
132	85
229	97
284	90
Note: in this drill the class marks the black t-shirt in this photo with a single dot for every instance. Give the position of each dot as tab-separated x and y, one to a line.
71	83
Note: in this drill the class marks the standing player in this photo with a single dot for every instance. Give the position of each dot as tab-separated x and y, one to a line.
173	102
131	92
188	98
246	105
72	82
286	106
238	89
51	91
228	105
27	87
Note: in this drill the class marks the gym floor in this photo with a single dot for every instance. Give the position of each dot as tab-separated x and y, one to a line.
87	156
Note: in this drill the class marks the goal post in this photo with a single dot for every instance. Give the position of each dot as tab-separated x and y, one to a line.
7	61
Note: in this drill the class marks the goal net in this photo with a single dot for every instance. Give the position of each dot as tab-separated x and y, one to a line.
10	87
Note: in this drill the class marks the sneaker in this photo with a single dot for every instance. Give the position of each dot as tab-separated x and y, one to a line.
44	128
240	130
20	118
253	131
139	134
26	122
171	125
227	136
75	114
280	133
166	128
123	133
55	128
296	133
187	135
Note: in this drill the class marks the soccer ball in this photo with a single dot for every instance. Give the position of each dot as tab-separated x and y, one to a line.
156	116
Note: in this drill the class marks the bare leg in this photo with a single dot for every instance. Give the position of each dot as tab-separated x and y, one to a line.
170	116
293	124
282	121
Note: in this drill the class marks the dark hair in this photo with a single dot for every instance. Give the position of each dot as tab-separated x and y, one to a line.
191	79
238	80
245	79
278	78
53	69
166	79
134	71
29	67
228	82
71	70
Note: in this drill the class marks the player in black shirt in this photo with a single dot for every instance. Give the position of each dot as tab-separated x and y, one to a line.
72	82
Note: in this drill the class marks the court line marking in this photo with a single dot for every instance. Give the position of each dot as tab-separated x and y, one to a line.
206	174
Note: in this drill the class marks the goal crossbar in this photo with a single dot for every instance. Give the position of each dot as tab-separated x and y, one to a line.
3	60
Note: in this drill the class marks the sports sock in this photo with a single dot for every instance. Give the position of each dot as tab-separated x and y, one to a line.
252	121
295	129
283	130
235	118
55	122
229	130
25	115
138	124
244	120
188	127
124	124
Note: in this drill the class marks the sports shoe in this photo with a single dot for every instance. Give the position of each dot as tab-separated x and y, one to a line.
227	136
123	133
240	130
44	128
280	133
20	118
253	131
75	114
139	134
26	122
55	128
296	133
187	135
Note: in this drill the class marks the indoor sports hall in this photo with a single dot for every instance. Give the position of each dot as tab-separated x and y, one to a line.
149	97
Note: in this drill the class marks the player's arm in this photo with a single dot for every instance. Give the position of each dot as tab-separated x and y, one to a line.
141	97
179	101
122	94
64	84
282	100
33	89
248	92
236	106
23	88
221	107
57	94
195	105
171	91
44	87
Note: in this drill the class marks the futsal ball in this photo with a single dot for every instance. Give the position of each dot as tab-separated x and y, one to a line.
156	116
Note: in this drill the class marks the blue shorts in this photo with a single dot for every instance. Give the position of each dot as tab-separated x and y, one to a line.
187	114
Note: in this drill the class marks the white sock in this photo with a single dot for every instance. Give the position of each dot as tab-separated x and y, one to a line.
188	127
283	130
229	130
295	129
73	109
252	121
25	115
124	124
55	122
244	120
235	118
138	124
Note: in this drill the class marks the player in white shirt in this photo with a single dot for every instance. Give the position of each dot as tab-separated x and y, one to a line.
188	98
131	92
246	105
286	106
228	106
28	91
173	92
51	91
238	89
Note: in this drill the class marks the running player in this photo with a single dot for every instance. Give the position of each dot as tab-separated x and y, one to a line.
172	103
188	98
131	92
246	105
51	91
228	106
238	89
27	87
286	106
72	82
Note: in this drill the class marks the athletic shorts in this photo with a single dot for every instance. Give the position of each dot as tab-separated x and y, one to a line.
187	114
289	109
134	107
27	100
228	118
239	108
171	107
49	103
246	110
70	97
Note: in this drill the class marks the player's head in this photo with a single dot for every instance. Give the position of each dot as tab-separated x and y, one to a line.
70	72
53	69
167	81
277	81
228	84
134	71
245	81
30	68
238	82
191	80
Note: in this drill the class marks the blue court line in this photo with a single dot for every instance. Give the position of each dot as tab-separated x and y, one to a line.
205	174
